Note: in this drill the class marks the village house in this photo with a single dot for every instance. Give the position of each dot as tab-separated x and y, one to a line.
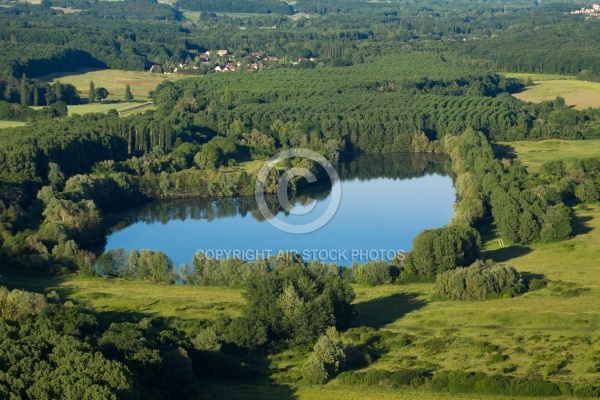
221	53
595	10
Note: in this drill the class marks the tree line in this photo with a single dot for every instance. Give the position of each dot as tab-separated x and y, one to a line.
33	92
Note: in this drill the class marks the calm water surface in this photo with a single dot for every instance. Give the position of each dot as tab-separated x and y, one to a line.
386	201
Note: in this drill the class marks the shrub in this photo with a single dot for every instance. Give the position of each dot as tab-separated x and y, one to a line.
375	377
557	224
536	284
480	281
314	371
471	382
327	358
587	391
206	340
373	273
438	250
295	304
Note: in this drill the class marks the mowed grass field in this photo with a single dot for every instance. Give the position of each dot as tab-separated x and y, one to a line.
579	94
123	108
115	81
10	124
534	154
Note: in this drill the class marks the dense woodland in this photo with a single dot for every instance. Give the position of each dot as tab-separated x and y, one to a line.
137	34
386	77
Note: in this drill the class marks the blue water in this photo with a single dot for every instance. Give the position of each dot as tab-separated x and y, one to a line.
377	217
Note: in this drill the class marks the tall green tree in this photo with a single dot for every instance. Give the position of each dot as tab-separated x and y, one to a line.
24	91
128	95
56	178
92	95
58	91
36	97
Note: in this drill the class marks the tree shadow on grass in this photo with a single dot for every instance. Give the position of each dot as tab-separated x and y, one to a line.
381	311
505	254
504	151
528	276
246	391
580	224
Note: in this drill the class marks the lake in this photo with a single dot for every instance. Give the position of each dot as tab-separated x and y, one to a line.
386	200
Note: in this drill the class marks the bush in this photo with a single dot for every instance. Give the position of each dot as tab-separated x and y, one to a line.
537	284
327	358
206	340
295	304
480	281
375	377
314	371
587	391
471	382
557	224
439	250
373	273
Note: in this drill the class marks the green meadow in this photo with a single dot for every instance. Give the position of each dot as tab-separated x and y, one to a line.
534	154
10	124
115	81
579	94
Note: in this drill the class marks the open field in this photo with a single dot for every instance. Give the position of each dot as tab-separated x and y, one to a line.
10	124
539	77
534	154
122	108
113	80
579	94
116	295
242	391
195	15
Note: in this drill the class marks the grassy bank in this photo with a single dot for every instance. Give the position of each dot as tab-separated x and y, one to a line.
580	94
534	154
10	124
115	81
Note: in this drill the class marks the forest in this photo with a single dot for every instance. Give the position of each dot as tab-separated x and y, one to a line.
137	34
340	78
